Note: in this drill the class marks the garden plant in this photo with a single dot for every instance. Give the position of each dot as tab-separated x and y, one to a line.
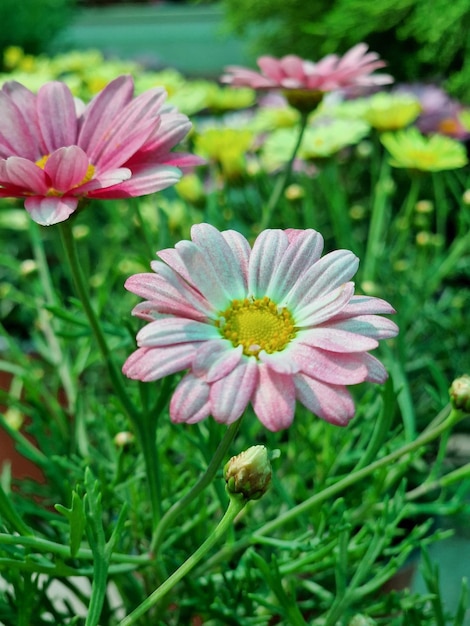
234	339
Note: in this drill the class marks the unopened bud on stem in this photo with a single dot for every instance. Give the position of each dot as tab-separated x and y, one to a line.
249	473
460	393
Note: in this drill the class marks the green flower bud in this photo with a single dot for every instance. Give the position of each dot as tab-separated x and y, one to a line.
249	473
460	393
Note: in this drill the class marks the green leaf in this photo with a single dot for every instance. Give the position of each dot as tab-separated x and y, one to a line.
77	521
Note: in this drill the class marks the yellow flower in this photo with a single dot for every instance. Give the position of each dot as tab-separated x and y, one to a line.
227	147
319	142
410	149
387	111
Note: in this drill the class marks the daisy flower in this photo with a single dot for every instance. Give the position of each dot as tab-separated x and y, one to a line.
305	82
412	150
55	151
268	325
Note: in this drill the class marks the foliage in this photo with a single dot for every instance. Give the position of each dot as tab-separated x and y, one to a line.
420	40
31	24
111	521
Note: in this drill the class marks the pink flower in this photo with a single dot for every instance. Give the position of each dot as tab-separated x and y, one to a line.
54	150
268	325
329	74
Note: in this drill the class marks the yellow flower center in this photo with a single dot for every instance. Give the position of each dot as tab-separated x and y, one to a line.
257	324
53	192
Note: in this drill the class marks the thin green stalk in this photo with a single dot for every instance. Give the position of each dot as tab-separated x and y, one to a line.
337	203
235	506
378	221
141	423
282	181
81	288
403	219
61	360
448	263
348	481
46	546
193	493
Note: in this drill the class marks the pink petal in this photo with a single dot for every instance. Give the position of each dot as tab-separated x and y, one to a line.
154	363
190	402
304	249
241	249
174	330
168	298
27	175
364	305
190	262
319	310
267	252
144	181
50	210
274	399
216	359
129	130
376	371
67	168
337	340
17	137
102	110
330	367
367	325
221	257
332	403
56	115
331	271
230	395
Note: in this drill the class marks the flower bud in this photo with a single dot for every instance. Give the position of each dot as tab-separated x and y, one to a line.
460	393
123	439
249	473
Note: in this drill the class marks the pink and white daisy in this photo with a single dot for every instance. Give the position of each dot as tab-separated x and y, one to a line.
329	74
55	151
268	325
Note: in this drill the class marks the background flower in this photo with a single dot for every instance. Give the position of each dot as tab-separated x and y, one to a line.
268	325
410	149
330	73
54	150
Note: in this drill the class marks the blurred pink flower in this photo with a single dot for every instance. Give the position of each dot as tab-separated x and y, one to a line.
54	150
329	74
268	325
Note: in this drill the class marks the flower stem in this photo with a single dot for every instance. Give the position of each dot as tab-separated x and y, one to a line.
426	437
142	424
403	219
234	508
81	288
201	484
282	181
375	239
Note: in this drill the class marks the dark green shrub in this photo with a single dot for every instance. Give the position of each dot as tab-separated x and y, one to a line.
420	40
31	24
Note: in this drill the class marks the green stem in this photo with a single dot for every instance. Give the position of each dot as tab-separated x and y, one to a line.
50	547
403	219
348	481
148	443
375	239
448	263
282	181
201	484
83	294
234	508
61	360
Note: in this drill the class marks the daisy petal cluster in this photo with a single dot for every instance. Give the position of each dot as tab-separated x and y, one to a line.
269	325
55	151
294	75
412	150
